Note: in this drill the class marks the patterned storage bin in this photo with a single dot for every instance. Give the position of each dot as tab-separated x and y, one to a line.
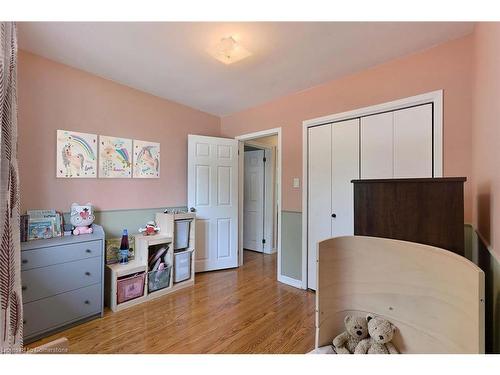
159	279
130	287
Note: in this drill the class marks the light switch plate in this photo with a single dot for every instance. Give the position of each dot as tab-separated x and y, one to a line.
296	182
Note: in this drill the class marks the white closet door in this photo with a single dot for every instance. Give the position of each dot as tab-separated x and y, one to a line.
345	167
377	146
413	142
319	194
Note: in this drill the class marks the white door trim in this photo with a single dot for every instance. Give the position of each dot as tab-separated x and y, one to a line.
247	137
435	97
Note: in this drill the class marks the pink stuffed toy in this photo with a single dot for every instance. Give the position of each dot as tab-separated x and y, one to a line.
82	218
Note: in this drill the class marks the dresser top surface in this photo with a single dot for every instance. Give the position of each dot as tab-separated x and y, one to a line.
98	234
396	180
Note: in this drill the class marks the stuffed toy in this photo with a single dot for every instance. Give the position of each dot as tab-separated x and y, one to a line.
81	218
356	331
381	332
150	229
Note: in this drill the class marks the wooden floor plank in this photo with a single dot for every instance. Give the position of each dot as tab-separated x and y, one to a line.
243	310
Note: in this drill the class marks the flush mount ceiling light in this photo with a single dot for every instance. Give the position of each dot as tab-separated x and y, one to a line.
229	51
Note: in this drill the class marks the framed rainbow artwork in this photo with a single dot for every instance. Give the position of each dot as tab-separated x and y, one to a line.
76	155
146	159
115	157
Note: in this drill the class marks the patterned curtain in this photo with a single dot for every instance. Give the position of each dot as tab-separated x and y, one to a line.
11	330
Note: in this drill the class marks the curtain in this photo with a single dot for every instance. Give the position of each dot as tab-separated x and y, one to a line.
10	247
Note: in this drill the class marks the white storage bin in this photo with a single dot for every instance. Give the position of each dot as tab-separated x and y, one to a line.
181	230
182	266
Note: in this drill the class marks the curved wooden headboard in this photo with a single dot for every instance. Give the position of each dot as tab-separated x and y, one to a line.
433	296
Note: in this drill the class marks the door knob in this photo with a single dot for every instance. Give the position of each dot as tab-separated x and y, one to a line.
87	273
334	215
192	209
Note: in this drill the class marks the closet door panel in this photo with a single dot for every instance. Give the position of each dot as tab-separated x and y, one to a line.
377	146
319	194
413	142
345	167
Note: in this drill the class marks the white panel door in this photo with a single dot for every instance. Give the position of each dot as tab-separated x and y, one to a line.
253	205
377	146
345	167
413	142
319	194
213	192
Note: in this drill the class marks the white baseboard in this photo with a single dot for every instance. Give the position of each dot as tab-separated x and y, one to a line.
290	281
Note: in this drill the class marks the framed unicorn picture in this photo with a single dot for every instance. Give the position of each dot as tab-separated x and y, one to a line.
115	157
76	155
146	159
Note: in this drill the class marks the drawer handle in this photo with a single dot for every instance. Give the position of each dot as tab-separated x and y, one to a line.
24	287
25	261
25	321
87	302
88	251
87	273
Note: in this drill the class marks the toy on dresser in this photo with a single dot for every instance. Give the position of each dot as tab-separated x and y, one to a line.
82	217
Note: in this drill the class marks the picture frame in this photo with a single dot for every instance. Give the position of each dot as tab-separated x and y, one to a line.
76	154
115	157
146	159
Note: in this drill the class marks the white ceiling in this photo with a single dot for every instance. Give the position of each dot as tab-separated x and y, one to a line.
170	59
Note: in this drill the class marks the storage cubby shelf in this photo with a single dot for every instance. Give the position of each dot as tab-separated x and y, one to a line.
139	264
126	269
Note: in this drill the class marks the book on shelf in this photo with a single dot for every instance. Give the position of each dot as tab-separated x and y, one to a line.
44	224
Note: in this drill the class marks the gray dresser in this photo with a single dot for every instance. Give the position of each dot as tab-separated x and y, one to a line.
62	282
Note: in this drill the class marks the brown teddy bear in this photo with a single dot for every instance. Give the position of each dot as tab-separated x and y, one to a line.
381	332
356	330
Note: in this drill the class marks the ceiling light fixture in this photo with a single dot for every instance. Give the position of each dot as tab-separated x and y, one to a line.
229	51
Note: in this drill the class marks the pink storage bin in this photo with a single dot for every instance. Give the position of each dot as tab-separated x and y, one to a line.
130	287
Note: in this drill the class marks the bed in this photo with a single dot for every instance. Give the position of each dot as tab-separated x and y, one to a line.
433	296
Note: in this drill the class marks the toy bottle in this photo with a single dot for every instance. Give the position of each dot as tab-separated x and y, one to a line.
124	248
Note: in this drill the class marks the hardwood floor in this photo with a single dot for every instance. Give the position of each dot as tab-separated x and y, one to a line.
244	310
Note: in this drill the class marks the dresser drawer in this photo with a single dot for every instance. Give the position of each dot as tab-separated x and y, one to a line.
62	309
47	281
59	254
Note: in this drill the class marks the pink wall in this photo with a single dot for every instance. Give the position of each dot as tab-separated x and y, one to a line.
486	133
447	66
53	96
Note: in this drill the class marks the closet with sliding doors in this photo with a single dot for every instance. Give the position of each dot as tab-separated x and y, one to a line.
396	140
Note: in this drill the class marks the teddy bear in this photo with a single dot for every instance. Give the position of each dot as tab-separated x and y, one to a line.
381	332
82	217
356	330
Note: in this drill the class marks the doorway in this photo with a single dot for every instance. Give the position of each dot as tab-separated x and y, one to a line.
259	195
270	141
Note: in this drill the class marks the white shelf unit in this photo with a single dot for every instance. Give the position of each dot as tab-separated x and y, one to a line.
166	222
140	262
